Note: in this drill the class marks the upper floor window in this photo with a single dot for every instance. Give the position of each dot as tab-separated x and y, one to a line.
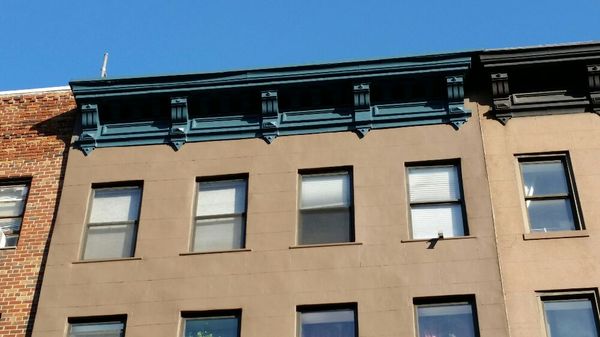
13	196
325	208
112	223
331	321
445	318
220	222
549	196
571	315
436	203
97	328
215	324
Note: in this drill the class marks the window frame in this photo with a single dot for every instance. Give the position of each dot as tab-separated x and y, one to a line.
461	202
590	294
548	157
229	177
327	171
120	318
195	314
309	308
445	301
17	182
135	224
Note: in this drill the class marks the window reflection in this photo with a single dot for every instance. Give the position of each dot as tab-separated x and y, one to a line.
445	320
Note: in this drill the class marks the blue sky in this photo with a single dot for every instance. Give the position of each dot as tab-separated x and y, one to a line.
48	43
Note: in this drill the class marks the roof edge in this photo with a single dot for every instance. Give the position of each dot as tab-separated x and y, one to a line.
34	90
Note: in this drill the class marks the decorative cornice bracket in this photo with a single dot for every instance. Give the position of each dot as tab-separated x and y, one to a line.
179	122
270	115
501	97
456	94
363	115
90	128
594	86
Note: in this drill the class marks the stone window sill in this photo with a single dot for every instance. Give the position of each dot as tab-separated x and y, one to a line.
217	252
108	260
556	235
442	239
327	245
8	248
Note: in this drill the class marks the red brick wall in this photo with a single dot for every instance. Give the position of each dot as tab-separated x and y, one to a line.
34	131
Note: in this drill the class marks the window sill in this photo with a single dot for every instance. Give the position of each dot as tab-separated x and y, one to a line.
217	252
438	239
9	248
107	260
327	245
556	235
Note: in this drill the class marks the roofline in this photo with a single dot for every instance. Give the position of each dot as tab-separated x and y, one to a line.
552	53
34	90
283	68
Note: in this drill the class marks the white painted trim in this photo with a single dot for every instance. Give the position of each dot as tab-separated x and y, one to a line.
34	91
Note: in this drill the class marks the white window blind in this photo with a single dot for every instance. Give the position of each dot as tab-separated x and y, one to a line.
437	183
219	234
220	215
221	197
435	201
111	231
429	220
12	205
324	191
115	205
109	241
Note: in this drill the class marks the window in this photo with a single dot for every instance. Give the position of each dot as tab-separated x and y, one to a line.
325	208
436	204
571	315
212	324
220	215
549	196
13	197
94	328
331	321
112	223
446	319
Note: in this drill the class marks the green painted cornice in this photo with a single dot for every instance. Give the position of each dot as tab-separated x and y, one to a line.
350	96
188	83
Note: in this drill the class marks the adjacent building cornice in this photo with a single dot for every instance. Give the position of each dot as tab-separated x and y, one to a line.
543	80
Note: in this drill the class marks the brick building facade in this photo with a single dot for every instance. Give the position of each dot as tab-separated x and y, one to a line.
35	127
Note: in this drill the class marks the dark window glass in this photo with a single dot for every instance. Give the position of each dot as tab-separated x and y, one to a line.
446	320
548	195
574	317
329	323
213	326
98	329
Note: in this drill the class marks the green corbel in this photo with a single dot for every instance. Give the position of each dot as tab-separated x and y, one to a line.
270	115
456	105
179	122
363	115
90	128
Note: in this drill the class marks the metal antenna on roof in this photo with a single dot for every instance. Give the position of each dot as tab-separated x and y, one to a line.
104	63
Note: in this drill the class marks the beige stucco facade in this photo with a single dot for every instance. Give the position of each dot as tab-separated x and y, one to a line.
535	263
382	271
